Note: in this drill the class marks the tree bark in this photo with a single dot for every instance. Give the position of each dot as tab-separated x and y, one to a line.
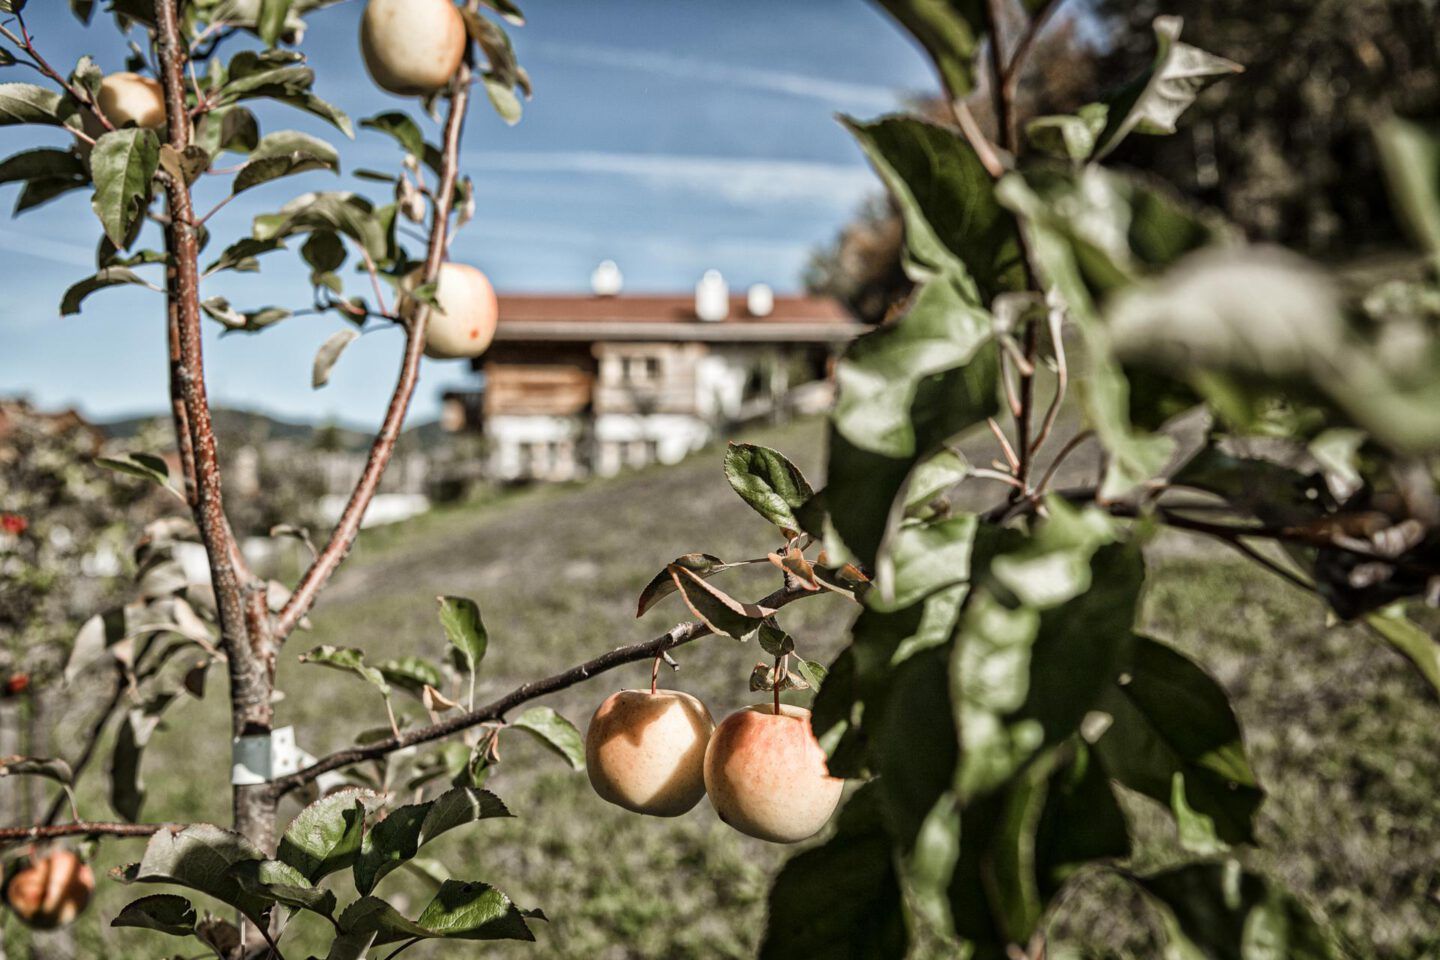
240	598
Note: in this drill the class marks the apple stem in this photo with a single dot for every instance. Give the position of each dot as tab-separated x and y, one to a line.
779	677
655	674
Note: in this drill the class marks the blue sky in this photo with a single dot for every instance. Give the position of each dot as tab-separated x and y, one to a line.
669	135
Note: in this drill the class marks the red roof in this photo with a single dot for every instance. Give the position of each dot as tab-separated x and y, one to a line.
661	308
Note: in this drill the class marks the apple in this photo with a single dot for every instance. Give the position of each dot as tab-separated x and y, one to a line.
412	47
127	98
50	891
646	751
465	322
766	774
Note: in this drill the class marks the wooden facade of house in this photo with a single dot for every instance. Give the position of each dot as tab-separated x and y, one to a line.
582	385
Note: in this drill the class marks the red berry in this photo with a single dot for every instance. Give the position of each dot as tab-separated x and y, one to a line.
13	523
17	684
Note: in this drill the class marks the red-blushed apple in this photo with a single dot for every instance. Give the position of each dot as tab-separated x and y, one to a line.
646	751
127	98
465	323
766	774
412	47
51	890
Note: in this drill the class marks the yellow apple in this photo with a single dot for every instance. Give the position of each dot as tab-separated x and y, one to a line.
465	323
646	751
766	774
51	890
412	47
127	98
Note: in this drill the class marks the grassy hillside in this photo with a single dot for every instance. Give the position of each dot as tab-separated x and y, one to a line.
1342	733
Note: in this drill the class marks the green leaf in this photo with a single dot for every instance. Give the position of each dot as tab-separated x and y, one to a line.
326	835
328	354
950	31
772	485
1069	136
503	98
410	674
399	836
841	899
219	310
279	882
904	391
1021	683
663	584
137	726
1218	911
185	166
344	213
1410	154
932	478
923	559
123	164
241	255
1406	636
107	277
231	128
201	857
475	911
953	225
42	190
285	154
1175	739
165	912
718	610
348	659
272	20
376	917
464	629
45	163
50	769
555	732
1081	823
27	103
404	130
1054	564
1153	102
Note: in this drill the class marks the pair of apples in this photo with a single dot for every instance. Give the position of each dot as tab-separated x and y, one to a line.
658	752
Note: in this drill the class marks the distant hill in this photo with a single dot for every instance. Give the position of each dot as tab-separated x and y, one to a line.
247	425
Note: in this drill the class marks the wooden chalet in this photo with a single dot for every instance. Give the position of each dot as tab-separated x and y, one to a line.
580	385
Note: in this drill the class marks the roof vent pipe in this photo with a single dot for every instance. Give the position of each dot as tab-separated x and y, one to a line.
606	279
712	297
760	300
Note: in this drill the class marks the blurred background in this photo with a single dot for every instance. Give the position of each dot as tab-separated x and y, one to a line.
672	139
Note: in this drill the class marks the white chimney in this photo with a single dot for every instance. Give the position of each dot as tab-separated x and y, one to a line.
759	300
712	297
606	279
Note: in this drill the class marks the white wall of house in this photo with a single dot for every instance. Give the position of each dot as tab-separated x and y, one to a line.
720	378
544	447
635	440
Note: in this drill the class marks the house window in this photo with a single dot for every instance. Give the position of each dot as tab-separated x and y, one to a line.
641	371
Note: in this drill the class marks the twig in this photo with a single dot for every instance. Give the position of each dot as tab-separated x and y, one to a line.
1009	78
1004	102
981	144
1006	478
1070	446
496	709
24	42
1055	321
84	829
1268	564
342	538
1010	457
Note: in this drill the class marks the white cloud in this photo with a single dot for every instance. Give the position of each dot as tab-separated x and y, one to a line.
837	93
43	248
743	182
